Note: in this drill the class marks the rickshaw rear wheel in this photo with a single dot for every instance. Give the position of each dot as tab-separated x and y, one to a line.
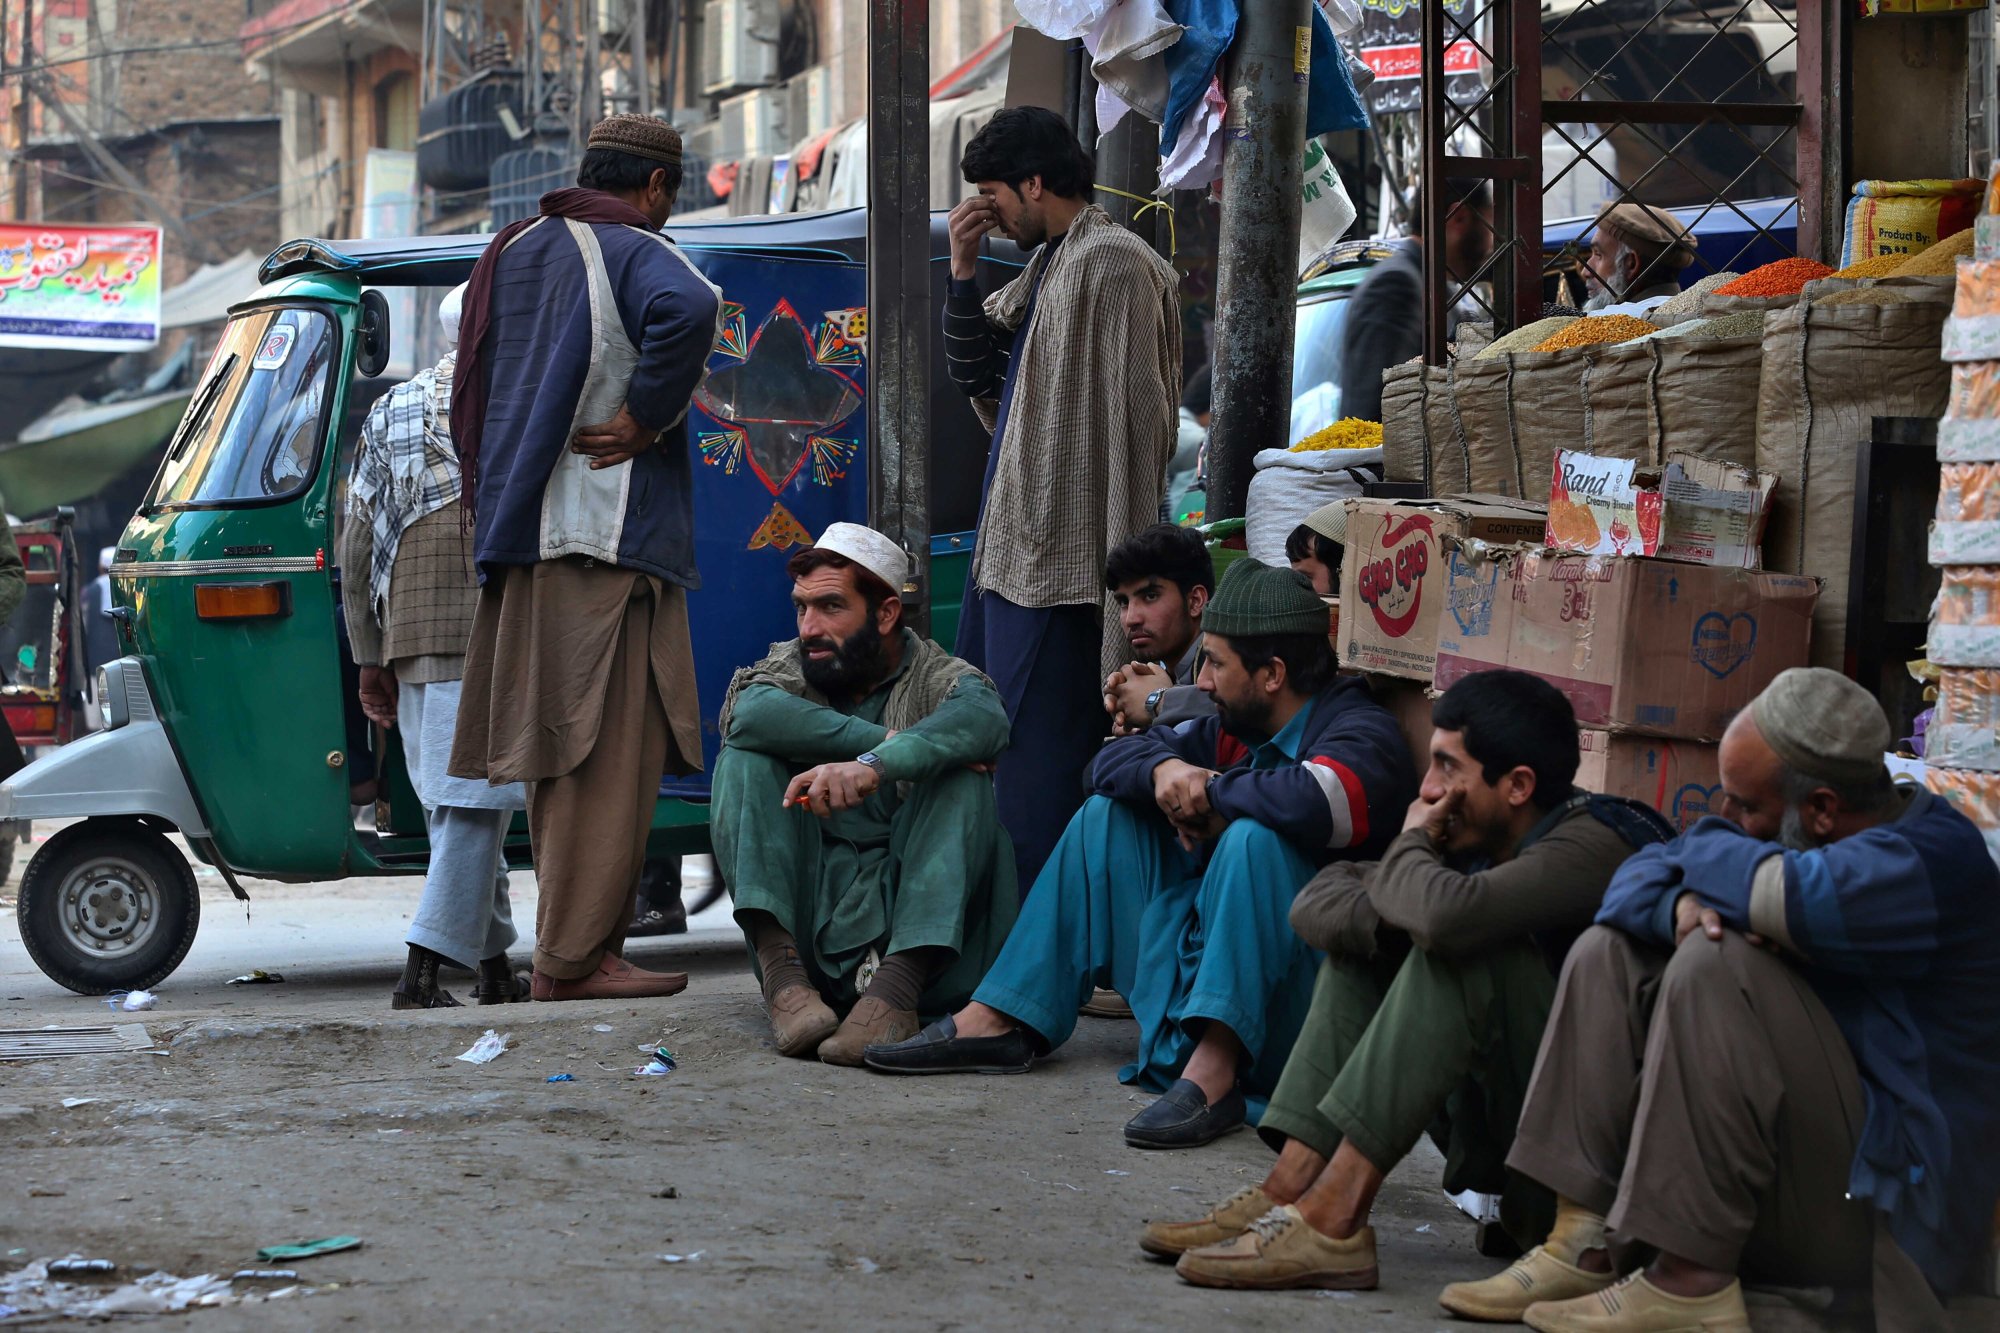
108	905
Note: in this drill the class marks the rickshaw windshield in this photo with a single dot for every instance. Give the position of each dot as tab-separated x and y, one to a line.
252	432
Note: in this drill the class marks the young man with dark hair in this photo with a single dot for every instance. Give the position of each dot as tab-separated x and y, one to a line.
584	335
1161	579
853	816
1075	367
1385	316
1172	884
1775	1055
1439	973
1318	545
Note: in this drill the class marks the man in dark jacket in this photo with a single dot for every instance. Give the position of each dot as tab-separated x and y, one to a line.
1385	316
1160	578
1441	966
1172	884
1806	1112
584	336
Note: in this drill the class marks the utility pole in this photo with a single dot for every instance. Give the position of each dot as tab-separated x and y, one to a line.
18	110
1257	253
94	148
899	286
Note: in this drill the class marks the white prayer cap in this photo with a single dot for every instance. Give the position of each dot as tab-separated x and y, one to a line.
870	550
106	558
448	312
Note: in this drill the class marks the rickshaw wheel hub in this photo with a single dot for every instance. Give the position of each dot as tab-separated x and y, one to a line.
110	907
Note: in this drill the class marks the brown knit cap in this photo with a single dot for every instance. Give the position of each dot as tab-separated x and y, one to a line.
641	136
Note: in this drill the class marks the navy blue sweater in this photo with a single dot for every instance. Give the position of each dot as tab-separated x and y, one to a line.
1898	928
1343	796
586	319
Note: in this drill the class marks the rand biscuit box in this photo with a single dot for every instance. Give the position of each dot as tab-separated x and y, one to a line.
1392	583
1693	509
1680	779
1638	645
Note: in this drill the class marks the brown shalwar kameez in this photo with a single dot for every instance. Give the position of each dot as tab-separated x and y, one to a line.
579	681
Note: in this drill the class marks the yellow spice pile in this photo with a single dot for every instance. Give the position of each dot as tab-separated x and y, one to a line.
1880	266
1595	331
1346	433
1940	261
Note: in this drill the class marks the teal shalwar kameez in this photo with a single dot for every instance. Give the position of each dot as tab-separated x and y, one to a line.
923	862
1186	937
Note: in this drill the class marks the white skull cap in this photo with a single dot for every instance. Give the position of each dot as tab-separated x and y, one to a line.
870	550
448	310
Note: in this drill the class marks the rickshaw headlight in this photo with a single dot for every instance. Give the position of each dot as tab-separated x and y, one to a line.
114	708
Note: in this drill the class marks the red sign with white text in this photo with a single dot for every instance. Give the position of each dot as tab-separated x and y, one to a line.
1407	62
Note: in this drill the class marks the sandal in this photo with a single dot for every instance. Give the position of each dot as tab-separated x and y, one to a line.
499	984
419	987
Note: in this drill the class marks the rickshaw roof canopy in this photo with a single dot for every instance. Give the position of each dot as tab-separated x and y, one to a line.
441	261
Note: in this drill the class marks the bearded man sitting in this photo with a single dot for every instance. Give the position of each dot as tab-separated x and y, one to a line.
853	815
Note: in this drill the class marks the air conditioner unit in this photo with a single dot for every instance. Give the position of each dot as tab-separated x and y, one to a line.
754	125
739	45
811	101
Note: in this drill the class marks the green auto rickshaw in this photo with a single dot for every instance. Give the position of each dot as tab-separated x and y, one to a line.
227	721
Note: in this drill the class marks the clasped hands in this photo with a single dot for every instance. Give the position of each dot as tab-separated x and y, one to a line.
1181	790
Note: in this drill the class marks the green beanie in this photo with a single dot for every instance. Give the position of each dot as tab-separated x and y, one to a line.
1258	600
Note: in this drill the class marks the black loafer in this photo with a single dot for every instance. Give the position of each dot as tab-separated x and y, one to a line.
938	1049
1182	1118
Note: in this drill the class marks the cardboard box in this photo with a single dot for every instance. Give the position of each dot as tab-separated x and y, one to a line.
1649	646
1694	510
1392	580
1410	703
1680	779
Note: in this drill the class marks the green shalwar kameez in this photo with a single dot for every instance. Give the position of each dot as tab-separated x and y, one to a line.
922	862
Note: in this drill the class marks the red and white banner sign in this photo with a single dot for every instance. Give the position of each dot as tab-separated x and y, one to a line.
1407	62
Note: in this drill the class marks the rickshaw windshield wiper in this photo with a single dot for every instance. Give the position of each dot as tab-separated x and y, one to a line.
204	404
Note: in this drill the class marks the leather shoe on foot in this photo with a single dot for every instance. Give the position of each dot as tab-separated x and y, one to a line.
1637	1306
870	1023
1536	1277
938	1049
1225	1222
614	979
1281	1251
1182	1118
800	1020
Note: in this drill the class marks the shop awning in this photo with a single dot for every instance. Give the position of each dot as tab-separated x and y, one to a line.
71	453
208	292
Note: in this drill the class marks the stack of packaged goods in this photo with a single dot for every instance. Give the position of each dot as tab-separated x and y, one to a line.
1645	605
1962	744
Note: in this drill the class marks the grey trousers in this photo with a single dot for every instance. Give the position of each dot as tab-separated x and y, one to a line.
1704	1100
465	913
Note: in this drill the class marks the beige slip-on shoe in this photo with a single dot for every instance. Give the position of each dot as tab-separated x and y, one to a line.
1637	1306
1280	1252
1536	1276
800	1020
870	1023
1105	1004
1225	1222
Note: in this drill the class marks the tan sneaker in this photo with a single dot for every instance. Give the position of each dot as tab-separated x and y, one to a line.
870	1023
1637	1306
800	1020
1536	1276
1105	1004
1279	1252
1225	1222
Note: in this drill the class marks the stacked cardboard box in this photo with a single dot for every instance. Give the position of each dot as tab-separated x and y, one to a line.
1962	744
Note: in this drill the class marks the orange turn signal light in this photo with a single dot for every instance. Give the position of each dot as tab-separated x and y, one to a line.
242	601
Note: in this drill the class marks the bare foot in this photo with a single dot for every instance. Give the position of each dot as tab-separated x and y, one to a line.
1594	1261
979	1020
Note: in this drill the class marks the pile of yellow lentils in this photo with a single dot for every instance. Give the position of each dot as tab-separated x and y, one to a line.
1346	433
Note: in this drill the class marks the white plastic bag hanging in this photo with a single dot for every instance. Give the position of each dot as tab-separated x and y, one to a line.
1126	49
1325	211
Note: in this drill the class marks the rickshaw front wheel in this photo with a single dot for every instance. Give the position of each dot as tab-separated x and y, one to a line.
108	904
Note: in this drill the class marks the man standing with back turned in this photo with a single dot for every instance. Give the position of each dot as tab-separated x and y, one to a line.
1076	367
585	335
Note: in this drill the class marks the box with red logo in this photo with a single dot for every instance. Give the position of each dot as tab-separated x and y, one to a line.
1638	645
1693	509
1392	581
1680	779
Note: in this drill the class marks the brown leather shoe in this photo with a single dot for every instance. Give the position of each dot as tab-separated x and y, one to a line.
1225	1222
614	979
870	1023
1105	1004
800	1020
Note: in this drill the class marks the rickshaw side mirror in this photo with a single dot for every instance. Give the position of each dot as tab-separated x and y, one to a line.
372	358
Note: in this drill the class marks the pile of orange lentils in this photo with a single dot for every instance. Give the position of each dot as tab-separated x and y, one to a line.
1786	277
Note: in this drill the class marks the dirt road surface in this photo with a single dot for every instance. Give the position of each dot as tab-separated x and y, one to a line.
798	1196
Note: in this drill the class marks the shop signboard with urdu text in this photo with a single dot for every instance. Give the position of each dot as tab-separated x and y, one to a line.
1391	44
84	287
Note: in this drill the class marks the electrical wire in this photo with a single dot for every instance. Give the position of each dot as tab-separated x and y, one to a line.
208	44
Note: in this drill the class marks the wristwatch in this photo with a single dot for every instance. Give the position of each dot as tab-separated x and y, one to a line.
873	761
1153	702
